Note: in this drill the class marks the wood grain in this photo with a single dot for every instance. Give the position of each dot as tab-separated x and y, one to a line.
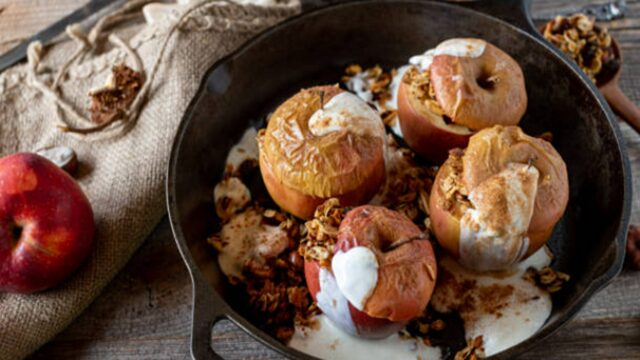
20	19
145	313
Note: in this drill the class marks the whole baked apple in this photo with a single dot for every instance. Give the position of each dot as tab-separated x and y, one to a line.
382	273
46	224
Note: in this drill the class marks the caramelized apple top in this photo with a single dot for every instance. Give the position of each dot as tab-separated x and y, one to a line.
323	141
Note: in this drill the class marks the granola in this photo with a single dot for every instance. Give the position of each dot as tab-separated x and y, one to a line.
587	44
546	278
322	232
473	351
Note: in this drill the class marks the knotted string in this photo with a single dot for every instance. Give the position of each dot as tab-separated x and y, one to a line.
87	43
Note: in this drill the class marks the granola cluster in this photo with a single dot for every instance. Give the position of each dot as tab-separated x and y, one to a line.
277	295
546	278
422	327
587	44
112	101
421	87
375	81
454	191
322	232
276	291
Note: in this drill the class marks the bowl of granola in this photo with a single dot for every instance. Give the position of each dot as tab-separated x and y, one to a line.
248	256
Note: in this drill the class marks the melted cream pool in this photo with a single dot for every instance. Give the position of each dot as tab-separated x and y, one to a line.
328	342
504	309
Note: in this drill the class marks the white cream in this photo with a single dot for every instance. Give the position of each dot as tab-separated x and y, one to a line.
491	237
356	273
328	342
346	111
459	47
359	84
333	303
245	149
520	313
236	191
244	238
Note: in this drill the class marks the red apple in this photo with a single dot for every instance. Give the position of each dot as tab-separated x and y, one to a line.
406	273
340	311
425	131
46	224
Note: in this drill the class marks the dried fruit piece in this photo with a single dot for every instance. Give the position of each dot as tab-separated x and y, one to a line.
63	156
112	101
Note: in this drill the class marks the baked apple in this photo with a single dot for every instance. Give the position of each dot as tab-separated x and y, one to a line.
497	202
455	89
382	273
321	143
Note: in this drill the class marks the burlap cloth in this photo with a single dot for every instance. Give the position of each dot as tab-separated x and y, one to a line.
121	172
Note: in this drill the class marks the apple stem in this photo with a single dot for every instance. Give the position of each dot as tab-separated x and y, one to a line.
322	100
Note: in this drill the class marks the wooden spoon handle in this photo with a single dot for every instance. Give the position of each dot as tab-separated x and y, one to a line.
623	106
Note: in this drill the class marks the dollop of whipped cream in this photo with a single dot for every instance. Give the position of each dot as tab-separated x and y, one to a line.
356	273
493	231
346	111
472	48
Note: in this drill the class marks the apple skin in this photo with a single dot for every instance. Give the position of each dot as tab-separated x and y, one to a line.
446	226
366	326
46	224
423	134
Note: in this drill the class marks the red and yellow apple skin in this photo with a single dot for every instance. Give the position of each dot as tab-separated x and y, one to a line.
46	224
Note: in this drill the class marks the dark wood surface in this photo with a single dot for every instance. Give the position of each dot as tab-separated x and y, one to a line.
145	313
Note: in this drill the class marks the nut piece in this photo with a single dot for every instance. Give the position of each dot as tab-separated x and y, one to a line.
63	156
473	351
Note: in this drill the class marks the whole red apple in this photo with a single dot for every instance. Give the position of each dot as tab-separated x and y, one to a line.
46	224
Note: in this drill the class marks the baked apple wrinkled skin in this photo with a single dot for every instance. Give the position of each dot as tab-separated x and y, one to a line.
323	142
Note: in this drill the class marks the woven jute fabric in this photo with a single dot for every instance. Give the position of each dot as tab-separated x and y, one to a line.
121	172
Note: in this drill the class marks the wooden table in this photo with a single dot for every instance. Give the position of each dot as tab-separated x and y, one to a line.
146	311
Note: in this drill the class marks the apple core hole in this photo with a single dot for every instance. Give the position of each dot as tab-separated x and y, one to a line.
16	232
487	81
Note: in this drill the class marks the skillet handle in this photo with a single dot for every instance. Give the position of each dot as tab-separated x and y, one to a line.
207	310
514	12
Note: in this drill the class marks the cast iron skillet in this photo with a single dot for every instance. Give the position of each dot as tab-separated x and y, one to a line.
313	49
